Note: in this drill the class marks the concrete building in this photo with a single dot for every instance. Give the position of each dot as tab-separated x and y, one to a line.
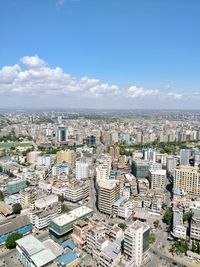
185	157
158	179
62	225
33	156
76	191
108	193
80	230
67	156
28	196
187	178
136	243
82	169
62	134
91	141
149	154
33	253
179	229
114	152
60	169
15	186
195	225
140	169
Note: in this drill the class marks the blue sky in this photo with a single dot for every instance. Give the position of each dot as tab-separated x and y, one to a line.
110	53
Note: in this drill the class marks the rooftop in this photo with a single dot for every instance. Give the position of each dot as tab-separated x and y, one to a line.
72	215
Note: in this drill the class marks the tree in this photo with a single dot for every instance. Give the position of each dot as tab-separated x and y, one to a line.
152	239
17	208
168	217
123	226
1	196
194	247
65	208
156	223
61	198
198	248
187	216
11	240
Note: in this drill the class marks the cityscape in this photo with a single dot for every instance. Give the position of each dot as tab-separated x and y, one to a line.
99	133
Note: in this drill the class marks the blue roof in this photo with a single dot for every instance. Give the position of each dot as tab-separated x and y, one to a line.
119	201
70	244
66	258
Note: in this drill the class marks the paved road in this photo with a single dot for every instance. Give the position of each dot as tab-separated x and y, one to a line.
159	253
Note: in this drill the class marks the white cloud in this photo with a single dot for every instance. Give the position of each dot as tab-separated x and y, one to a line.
34	77
61	3
40	79
136	92
175	95
33	62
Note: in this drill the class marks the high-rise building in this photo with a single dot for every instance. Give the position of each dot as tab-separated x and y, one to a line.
197	158
114	152
172	162
91	140
136	243
61	134
149	154
140	169
103	168
108	193
82	169
185	157
15	186
158	179
187	178
67	156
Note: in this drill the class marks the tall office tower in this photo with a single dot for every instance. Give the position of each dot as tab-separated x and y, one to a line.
125	137
114	152
158	179
197	157
91	140
114	137
149	154
172	162
185	157
66	156
181	136
136	243
108	193
62	134
187	178
140	169
103	167
82	169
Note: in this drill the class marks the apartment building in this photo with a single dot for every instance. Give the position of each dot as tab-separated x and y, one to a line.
108	193
158	179
187	178
136	243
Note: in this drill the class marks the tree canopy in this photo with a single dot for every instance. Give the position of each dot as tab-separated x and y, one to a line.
11	240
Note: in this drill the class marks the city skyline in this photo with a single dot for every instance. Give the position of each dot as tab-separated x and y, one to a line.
108	55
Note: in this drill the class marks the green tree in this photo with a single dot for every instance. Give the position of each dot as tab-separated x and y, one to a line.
168	217
61	198
194	247
17	208
164	206
1	196
123	226
198	248
152	239
11	240
65	208
156	223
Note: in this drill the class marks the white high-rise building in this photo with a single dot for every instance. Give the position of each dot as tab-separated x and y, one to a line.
185	157
136	243
149	154
158	179
82	169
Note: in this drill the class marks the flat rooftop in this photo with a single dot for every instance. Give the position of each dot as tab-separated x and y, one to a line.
72	216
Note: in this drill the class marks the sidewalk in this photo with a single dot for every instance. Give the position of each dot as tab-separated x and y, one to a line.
181	259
